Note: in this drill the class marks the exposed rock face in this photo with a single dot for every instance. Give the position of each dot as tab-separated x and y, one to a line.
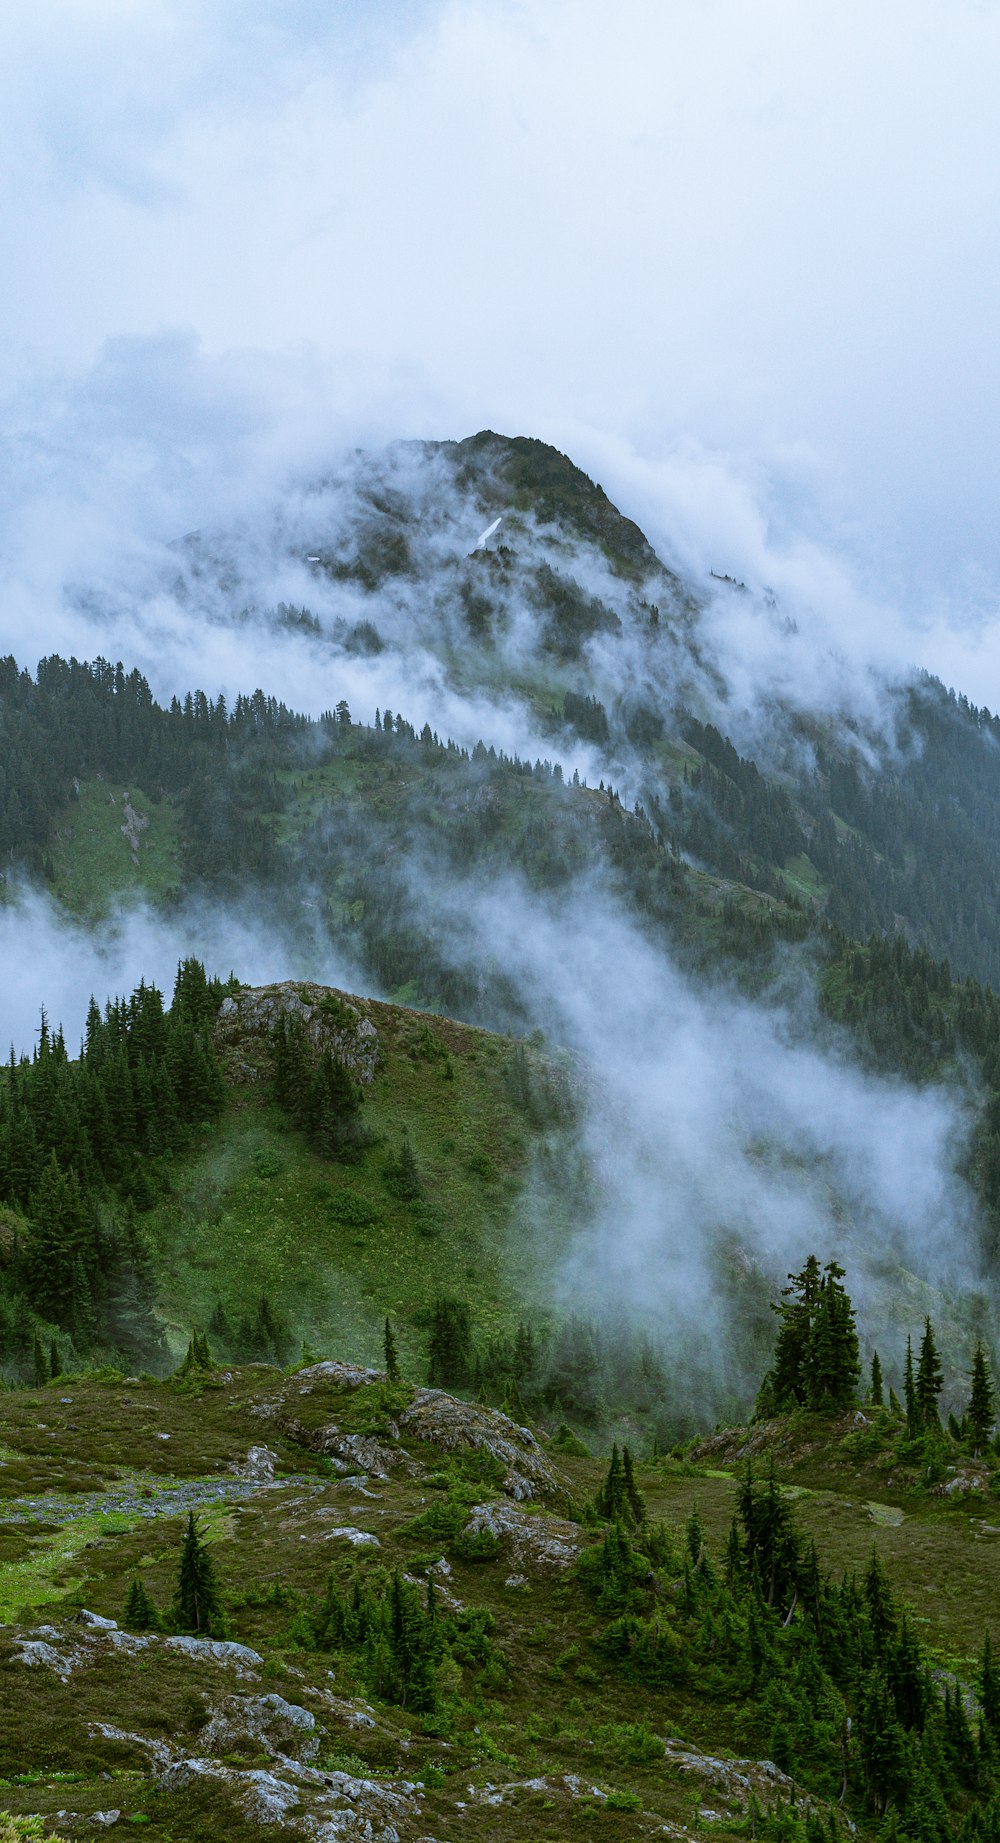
259	1724
331	1020
432	1418
258	1466
443	1421
52	1648
548	1544
334	1805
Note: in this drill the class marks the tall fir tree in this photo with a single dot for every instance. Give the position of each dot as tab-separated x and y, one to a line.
929	1380
392	1374
197	1602
981	1401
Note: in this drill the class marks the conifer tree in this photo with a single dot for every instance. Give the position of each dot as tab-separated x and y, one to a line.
910	1394
611	1497
633	1496
140	1613
392	1374
197	1604
451	1356
875	1393
929	1378
796	1311
988	1688
981	1401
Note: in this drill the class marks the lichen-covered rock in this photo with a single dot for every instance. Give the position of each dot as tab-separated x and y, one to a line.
330	1019
342	1375
548	1544
63	1652
358	1538
258	1466
265	1724
441	1420
329	1806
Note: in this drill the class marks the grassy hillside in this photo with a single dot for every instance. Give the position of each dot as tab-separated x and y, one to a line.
536	1732
253	1209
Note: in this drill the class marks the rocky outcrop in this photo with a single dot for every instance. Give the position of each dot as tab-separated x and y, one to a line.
93	1639
548	1545
329	1806
261	1724
443	1421
431	1418
331	1020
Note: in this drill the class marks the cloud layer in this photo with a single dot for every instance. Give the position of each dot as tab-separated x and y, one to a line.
751	253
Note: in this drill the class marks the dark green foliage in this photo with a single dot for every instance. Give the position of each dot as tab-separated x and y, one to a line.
929	1379
619	1500
451	1357
402	1637
197	1356
402	1175
816	1361
392	1374
79	1149
876	1393
981	1401
262	1336
140	1612
320	1094
913	1420
197	1604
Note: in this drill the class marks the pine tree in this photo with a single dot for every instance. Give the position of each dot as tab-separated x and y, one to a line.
910	1394
403	1174
875	1393
796	1311
989	1690
611	1498
831	1358
140	1614
451	1356
633	1496
197	1604
392	1374
929	1378
981	1401
55	1367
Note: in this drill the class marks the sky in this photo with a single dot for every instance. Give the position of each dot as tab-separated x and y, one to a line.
742	262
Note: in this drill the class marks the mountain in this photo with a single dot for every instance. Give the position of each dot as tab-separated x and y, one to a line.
322	1301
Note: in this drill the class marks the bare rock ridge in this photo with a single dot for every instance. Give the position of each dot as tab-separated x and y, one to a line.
331	1020
432	1418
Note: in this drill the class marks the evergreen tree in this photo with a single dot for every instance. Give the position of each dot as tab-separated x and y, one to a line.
611	1500
875	1393
929	1379
197	1604
392	1374
981	1401
913	1422
988	1688
403	1174
140	1613
451	1357
796	1311
831	1359
633	1496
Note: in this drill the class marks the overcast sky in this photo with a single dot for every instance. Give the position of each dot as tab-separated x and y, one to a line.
739	257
